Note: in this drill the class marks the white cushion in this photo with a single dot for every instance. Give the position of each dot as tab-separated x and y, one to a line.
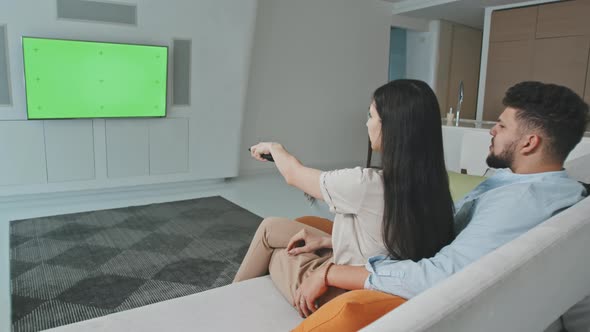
579	168
583	148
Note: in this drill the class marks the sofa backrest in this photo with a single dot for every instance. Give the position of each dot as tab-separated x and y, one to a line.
524	285
461	184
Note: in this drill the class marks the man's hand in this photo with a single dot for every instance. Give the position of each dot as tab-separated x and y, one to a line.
309	291
311	242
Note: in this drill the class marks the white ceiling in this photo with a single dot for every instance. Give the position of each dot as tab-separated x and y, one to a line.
467	12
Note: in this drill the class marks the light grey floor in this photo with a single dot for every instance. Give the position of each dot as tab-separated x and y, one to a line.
263	194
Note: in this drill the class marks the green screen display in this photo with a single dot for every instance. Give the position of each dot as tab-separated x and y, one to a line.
67	79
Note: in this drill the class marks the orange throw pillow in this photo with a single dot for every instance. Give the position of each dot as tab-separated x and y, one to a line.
322	224
350	311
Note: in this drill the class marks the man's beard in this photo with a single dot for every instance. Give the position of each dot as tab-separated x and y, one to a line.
504	159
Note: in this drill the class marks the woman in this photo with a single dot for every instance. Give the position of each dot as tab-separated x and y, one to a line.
404	210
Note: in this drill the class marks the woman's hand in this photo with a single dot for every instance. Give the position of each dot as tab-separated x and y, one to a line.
311	242
309	291
262	148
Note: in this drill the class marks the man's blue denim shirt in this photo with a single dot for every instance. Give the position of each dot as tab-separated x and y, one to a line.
497	211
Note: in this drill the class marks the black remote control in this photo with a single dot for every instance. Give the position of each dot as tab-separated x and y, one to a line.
266	156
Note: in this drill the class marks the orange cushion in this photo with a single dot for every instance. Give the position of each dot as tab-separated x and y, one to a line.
350	311
322	224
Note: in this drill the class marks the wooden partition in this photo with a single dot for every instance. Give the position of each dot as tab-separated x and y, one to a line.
459	60
548	43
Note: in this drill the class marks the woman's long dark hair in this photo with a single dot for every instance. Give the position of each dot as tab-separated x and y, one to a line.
418	210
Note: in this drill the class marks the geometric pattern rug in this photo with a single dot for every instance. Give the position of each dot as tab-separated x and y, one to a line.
69	268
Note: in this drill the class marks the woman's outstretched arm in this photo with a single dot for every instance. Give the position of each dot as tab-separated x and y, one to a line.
304	178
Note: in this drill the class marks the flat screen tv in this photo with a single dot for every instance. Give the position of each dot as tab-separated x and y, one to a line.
70	79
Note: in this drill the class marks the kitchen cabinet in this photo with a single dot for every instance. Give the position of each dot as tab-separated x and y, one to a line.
508	64
513	24
556	51
562	61
562	19
459	60
465	60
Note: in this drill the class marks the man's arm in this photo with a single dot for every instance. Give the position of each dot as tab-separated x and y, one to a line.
497	218
347	277
316	284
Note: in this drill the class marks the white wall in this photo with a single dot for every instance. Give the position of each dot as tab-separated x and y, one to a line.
194	142
314	67
422	54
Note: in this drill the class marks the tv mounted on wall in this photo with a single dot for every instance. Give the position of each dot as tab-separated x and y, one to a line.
71	79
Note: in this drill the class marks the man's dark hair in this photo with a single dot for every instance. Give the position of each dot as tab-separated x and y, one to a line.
555	110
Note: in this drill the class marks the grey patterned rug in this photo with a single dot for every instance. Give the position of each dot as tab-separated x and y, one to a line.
74	267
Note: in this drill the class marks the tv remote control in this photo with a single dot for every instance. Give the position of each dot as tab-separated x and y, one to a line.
266	156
